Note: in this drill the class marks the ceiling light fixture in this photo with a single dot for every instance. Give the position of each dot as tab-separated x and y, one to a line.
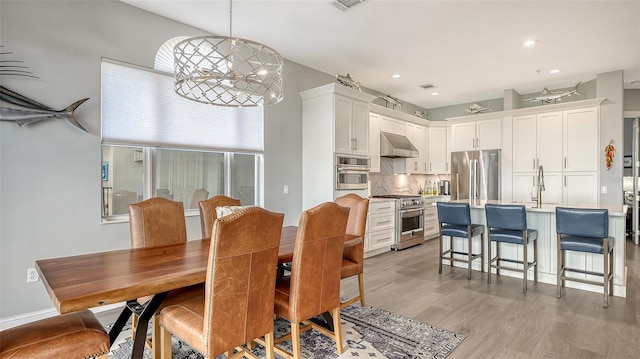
529	43
395	76
346	4
554	71
227	71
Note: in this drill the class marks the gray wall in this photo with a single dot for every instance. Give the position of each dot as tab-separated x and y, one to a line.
50	172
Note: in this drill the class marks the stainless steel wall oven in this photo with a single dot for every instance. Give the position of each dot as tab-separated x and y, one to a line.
352	172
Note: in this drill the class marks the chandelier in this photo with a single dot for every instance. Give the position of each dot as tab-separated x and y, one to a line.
227	71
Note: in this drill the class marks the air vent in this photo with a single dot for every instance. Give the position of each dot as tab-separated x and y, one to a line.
427	86
346	4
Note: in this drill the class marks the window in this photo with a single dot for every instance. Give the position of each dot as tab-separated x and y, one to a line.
157	144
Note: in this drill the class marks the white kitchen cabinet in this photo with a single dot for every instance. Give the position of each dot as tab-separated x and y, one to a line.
537	140
565	143
477	135
437	159
449	148
381	227
430	225
523	183
418	136
580	139
334	120
374	141
580	187
352	126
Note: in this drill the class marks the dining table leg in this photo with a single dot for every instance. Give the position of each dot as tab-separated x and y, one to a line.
145	312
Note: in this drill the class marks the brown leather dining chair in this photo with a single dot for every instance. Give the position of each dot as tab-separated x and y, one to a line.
313	288
237	305
353	255
159	222
72	335
208	211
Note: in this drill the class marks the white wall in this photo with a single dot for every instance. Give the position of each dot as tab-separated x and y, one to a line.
50	181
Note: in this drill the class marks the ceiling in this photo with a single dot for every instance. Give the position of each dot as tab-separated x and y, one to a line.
468	50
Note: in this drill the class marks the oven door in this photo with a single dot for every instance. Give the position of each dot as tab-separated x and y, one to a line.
351	179
411	223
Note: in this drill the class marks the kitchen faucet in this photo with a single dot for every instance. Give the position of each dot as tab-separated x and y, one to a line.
539	184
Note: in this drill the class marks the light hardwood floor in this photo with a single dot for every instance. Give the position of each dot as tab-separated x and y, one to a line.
499	320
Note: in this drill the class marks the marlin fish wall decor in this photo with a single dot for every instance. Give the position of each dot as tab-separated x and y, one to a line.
23	110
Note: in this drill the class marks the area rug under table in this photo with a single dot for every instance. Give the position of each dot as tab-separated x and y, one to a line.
369	333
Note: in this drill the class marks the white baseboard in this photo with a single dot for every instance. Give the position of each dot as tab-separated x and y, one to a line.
10	322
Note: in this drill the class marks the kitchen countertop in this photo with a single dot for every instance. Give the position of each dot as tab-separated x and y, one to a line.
614	210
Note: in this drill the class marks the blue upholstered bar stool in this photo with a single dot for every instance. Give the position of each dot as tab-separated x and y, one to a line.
455	221
584	230
508	224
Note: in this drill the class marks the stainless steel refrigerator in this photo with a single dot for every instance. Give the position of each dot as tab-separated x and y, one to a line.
475	175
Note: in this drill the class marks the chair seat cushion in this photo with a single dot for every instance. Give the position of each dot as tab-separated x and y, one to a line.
350	268
186	318
584	244
461	231
281	300
510	236
73	335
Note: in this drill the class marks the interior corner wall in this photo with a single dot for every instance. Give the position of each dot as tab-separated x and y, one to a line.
610	86
50	196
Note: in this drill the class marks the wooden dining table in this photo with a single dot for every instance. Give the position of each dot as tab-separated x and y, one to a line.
92	280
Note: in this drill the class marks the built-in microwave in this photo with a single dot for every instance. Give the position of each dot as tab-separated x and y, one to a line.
352	172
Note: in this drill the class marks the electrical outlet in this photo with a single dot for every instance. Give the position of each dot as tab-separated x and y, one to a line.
32	275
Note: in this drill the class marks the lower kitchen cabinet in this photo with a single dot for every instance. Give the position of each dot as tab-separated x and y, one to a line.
430	225
381	227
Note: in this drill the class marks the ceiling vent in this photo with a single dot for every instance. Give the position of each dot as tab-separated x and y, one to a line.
427	86
346	4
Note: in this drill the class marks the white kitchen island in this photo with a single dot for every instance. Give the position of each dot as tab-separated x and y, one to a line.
543	220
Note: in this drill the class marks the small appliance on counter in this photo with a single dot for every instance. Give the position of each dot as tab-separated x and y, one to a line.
445	188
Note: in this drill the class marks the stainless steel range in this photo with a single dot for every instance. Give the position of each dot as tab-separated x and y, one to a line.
409	220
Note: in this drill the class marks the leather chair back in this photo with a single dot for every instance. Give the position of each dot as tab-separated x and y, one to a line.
511	217
458	214
157	222
240	279
582	222
317	261
208	212
358	207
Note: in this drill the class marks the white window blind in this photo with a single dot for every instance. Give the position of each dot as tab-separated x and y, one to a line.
139	106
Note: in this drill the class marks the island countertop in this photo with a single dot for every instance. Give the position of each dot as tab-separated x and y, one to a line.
615	210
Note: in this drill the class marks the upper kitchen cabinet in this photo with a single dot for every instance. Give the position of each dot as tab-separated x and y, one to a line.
418	136
537	140
352	126
477	135
344	111
580	134
374	141
438	157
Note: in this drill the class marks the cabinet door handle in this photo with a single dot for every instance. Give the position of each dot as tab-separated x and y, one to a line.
429	166
355	143
534	163
565	181
565	162
447	166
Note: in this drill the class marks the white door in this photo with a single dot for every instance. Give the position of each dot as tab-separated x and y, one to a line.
581	187
360	128
489	134
524	143
463	136
549	143
580	130
343	112
437	150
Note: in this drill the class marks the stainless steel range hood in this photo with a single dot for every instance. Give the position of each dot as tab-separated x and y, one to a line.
396	146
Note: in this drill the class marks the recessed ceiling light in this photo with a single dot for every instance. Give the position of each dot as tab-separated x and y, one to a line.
554	71
435	93
395	76
529	43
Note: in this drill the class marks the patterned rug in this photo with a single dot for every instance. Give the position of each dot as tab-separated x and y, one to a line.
369	333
